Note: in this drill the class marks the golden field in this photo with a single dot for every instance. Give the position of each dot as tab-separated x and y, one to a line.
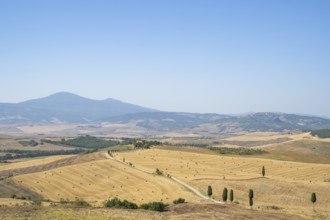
295	167
287	185
103	179
32	162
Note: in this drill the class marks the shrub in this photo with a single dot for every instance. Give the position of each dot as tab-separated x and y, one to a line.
154	206
179	200
80	203
37	202
117	203
159	172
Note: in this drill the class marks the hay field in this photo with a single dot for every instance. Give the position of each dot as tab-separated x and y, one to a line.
310	151
101	180
287	184
32	162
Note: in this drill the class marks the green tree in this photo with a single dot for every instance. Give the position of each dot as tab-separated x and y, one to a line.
263	172
313	199
209	191
251	197
231	195
225	194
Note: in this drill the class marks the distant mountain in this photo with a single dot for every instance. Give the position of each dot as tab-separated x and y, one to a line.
70	108
222	124
65	107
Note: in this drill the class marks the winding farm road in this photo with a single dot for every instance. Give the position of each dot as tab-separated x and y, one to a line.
198	193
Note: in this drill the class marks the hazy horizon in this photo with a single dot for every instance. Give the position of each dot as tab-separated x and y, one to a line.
226	57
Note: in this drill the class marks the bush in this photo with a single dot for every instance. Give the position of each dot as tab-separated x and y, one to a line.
31	143
117	203
179	200
159	172
37	202
80	203
153	206
77	202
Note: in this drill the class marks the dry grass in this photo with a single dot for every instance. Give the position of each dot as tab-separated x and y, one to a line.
12	202
175	212
101	180
32	162
288	184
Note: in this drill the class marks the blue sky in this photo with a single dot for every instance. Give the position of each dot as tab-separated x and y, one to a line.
223	56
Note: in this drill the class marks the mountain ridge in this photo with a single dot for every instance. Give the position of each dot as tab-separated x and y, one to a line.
69	108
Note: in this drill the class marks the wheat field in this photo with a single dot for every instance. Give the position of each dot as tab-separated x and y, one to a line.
104	179
287	185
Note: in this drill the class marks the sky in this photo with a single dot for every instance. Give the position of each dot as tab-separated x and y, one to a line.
203	56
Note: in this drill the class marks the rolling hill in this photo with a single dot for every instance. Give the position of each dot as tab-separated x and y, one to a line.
98	117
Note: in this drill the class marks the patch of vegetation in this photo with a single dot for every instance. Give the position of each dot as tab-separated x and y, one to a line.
85	142
31	143
36	202
237	151
117	203
12	154
201	145
76	203
159	172
153	206
322	133
146	144
80	203
274	207
179	201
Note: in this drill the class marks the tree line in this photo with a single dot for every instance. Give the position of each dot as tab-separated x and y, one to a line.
86	141
12	154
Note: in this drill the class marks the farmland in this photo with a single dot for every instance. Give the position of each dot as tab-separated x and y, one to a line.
287	185
182	172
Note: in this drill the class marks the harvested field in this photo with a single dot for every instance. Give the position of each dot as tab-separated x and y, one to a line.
33	166
8	188
101	180
287	185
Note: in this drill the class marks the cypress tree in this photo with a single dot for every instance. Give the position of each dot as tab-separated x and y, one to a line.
263	172
209	191
231	195
225	194
251	197
313	199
